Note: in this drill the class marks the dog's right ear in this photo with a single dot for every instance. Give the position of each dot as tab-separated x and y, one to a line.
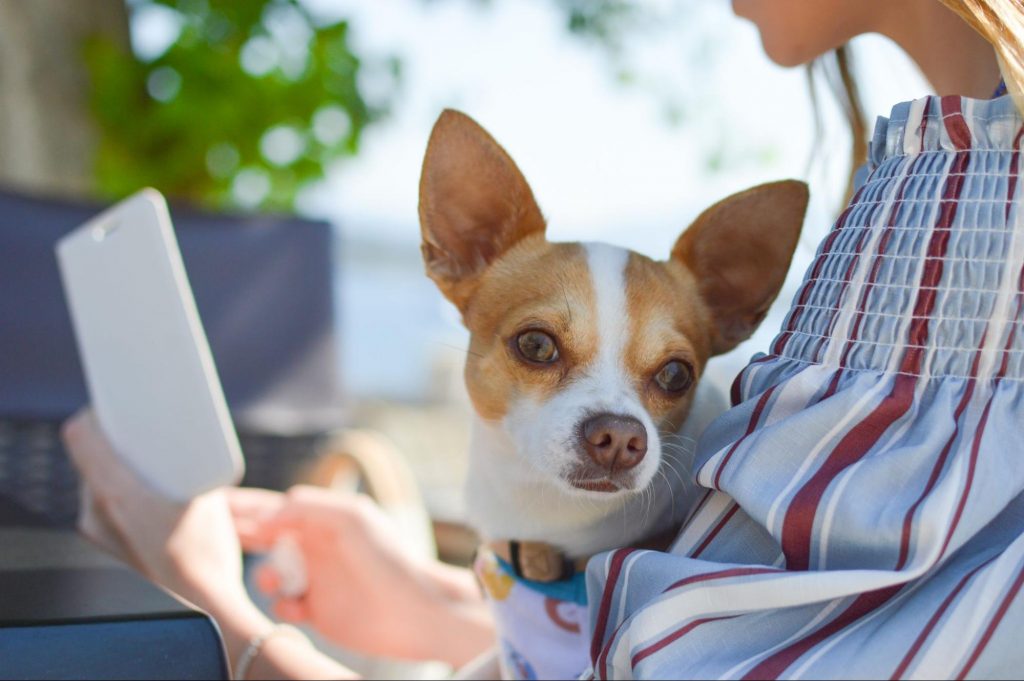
474	205
740	250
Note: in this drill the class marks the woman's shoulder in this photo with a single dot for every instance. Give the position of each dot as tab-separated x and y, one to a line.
946	124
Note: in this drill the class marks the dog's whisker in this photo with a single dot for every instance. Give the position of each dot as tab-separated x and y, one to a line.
565	296
671	434
685	446
671	492
684	483
460	349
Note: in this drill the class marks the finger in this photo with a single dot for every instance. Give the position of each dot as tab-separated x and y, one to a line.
291	610
83	439
249	502
325	507
252	537
304	511
315	498
94	524
96	530
94	456
260	535
250	511
267	580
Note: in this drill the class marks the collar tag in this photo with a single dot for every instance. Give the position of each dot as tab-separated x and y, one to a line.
539	562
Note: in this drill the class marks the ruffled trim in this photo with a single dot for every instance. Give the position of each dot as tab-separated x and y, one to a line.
946	124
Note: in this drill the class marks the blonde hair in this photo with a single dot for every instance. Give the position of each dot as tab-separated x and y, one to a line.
835	71
1000	22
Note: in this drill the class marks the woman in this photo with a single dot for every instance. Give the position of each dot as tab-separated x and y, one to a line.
864	509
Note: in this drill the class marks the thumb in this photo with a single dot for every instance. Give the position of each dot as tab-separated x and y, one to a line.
291	610
252	511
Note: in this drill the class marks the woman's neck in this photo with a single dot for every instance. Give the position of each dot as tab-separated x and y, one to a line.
951	54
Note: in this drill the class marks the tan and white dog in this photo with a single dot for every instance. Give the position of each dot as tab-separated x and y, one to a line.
583	363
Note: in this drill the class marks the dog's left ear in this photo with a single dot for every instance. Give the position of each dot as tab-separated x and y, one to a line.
474	205
739	250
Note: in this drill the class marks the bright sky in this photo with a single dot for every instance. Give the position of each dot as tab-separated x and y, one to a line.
601	157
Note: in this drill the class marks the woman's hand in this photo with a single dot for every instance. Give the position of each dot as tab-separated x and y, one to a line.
365	591
191	549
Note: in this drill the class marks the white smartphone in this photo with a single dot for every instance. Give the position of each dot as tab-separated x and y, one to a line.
147	363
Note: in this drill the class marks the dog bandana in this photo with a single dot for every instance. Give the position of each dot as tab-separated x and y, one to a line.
542	628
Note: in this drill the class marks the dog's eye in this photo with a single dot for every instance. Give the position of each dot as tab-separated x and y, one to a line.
674	377
537	346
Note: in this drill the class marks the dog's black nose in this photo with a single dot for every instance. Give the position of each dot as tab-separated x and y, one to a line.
614	441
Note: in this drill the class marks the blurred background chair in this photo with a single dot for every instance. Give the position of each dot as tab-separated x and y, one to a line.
264	289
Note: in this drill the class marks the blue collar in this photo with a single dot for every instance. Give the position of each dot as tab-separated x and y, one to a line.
573	590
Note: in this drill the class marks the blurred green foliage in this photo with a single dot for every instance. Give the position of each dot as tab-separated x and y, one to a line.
252	101
605	21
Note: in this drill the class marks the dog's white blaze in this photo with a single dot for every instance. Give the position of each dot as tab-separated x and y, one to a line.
607	273
609	386
608	277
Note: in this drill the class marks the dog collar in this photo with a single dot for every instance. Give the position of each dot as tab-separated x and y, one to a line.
537	561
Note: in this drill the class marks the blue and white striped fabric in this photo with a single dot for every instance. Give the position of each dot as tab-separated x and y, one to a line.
864	516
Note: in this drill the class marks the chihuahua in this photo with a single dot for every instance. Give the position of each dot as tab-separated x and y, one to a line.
582	368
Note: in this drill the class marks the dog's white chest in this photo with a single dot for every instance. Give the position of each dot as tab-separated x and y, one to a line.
540	636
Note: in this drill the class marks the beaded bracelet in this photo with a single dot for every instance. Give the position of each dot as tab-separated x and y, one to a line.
252	651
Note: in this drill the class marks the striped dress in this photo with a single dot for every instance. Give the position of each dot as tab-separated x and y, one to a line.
863	506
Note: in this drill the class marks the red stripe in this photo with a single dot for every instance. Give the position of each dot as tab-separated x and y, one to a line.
799	521
671	638
722	574
883	244
775	665
618	557
956	126
602	659
971	467
798	524
819	263
904	545
1014	168
992	625
734	390
976	444
751	426
679	633
934	264
697	509
599	655
682	631
922	129
940	462
735	395
833	385
963	502
780	343
936	616
718	528
1015	588
876	265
